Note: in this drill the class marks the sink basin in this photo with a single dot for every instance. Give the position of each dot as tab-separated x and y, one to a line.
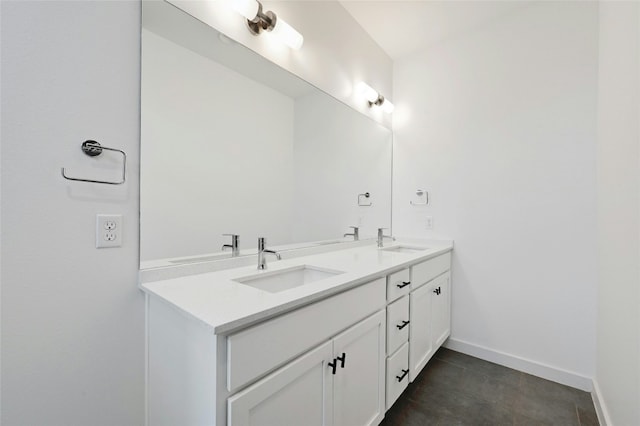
286	279
405	249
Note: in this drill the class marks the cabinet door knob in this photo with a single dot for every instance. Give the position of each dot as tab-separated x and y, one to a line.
437	291
333	365
404	373
403	325
342	359
404	284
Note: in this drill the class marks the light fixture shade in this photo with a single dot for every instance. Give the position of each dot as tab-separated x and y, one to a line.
367	92
287	34
387	106
246	8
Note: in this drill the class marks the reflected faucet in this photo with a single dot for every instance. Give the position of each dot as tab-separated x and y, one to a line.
381	237
262	262
355	235
234	246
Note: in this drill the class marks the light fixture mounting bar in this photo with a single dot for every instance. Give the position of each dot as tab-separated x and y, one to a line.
377	102
259	21
264	21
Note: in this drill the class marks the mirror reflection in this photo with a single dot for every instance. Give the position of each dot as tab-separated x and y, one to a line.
233	144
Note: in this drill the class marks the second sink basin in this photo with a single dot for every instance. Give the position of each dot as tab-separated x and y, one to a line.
405	249
286	279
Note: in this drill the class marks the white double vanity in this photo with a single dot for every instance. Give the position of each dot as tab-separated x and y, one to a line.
332	333
331	338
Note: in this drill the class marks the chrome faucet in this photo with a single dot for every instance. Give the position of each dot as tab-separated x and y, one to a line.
234	246
381	237
262	262
355	235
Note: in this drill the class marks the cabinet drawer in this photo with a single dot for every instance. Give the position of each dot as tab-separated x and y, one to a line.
398	284
257	350
426	271
397	374
397	324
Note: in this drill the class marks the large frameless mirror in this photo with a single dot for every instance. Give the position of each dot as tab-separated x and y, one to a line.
234	144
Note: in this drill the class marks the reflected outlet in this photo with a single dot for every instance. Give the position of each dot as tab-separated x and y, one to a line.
108	230
428	222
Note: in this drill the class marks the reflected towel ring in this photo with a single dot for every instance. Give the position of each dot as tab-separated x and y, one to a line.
365	195
420	193
93	149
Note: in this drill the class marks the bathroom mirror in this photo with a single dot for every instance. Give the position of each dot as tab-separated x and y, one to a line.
233	144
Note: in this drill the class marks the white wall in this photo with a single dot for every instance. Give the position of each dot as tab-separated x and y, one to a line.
72	317
498	124
336	55
618	356
208	169
338	154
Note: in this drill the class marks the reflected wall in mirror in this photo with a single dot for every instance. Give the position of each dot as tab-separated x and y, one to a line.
232	143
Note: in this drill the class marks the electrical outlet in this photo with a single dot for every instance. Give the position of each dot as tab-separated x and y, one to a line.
428	222
108	230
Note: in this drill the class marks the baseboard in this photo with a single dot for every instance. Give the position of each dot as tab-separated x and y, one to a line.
534	368
601	407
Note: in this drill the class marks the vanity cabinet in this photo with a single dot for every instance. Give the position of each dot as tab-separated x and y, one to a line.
340	383
418	320
342	360
276	372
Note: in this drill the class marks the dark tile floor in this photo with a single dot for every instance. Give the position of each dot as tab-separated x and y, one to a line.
457	389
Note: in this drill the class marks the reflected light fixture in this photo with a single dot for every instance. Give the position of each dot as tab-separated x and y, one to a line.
374	98
259	21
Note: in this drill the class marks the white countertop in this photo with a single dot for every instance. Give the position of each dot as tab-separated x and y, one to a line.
226	305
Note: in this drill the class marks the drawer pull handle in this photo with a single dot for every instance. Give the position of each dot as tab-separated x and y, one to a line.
342	359
404	373
403	325
437	291
404	284
333	365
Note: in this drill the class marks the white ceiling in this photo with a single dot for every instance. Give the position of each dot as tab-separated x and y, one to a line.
403	27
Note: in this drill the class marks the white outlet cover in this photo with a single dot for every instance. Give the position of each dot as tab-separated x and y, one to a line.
109	230
429	222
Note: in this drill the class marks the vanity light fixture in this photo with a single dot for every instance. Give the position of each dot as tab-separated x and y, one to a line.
375	98
259	21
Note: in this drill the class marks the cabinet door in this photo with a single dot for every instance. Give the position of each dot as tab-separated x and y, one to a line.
359	387
299	393
420	341
441	322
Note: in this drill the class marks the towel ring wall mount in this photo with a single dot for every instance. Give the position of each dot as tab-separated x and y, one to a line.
93	149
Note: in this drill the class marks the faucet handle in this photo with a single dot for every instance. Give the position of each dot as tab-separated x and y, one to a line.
354	227
234	238
235	243
381	234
